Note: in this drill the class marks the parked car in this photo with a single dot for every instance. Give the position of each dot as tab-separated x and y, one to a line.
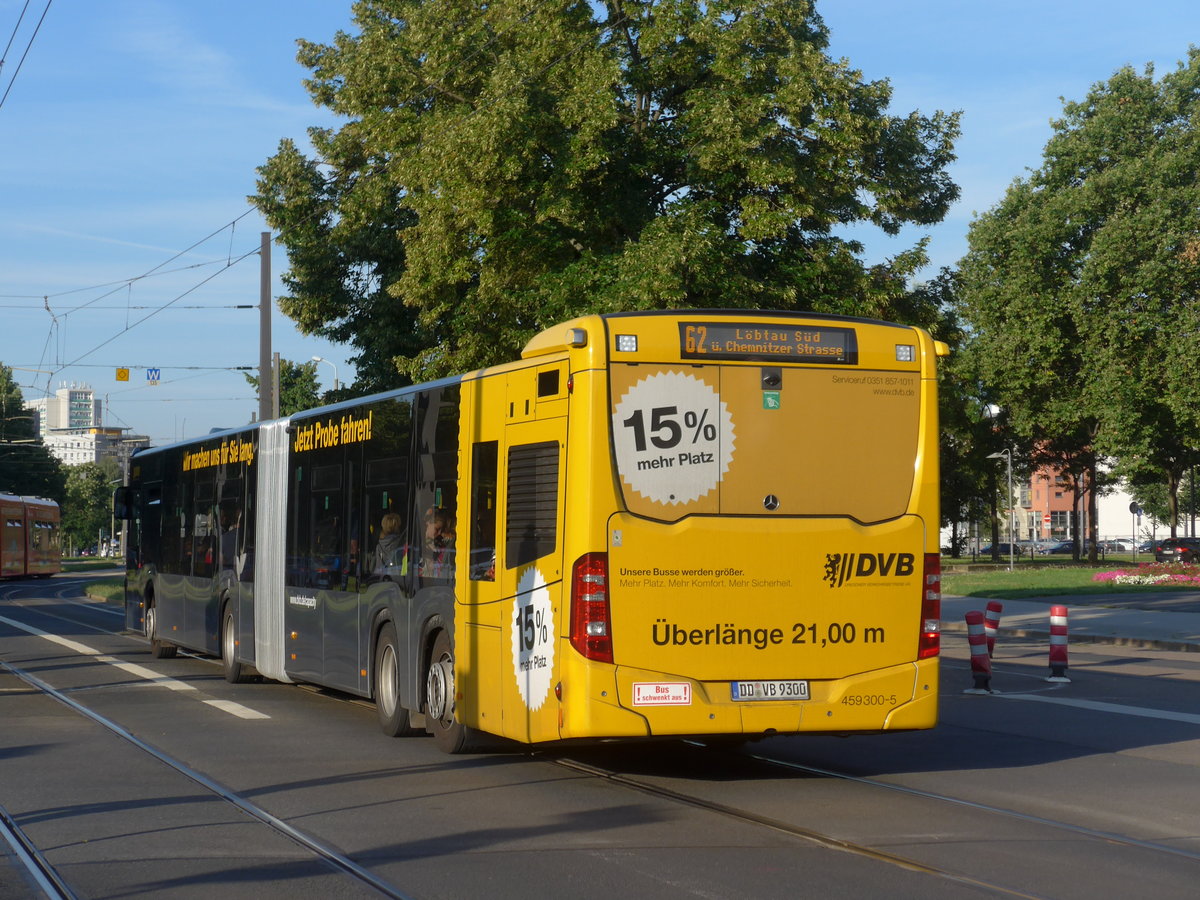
1183	550
1004	549
1056	547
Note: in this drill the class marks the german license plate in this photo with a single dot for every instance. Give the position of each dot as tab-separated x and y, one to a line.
770	690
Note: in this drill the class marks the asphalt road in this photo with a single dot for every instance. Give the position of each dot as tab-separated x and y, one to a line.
133	777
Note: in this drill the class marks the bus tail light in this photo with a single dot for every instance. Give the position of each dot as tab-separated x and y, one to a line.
931	608
590	618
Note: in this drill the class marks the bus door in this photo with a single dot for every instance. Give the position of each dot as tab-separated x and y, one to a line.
316	525
200	598
175	559
529	571
477	620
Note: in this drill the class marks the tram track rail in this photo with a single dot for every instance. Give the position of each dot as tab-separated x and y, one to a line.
1108	837
34	864
1072	831
40	867
823	839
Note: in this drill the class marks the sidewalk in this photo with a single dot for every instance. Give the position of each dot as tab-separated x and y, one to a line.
1089	620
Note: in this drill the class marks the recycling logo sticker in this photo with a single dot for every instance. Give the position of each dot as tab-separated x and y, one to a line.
673	436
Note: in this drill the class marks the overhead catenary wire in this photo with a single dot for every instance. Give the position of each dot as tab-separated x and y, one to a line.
160	309
36	29
67	312
12	37
128	282
166	368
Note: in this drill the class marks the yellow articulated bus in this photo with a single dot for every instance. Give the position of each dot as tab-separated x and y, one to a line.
654	524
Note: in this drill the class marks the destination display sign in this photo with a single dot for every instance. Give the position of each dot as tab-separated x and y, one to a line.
827	345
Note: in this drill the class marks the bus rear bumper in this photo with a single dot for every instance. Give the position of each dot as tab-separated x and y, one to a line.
648	704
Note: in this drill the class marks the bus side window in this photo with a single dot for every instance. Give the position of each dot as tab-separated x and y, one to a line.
229	524
176	536
325	538
484	457
204	551
147	535
436	489
388	479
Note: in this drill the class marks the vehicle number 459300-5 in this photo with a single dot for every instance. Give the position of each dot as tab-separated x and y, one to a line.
869	700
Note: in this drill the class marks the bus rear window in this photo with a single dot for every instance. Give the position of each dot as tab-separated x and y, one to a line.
765	440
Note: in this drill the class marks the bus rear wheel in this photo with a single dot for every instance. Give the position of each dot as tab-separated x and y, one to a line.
394	719
158	649
450	735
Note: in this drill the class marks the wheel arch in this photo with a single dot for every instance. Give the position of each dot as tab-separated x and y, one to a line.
433	625
382	617
147	600
430	628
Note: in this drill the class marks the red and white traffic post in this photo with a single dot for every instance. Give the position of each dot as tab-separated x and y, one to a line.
991	624
981	663
1058	645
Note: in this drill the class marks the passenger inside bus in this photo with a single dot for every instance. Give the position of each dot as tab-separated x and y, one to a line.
437	558
387	551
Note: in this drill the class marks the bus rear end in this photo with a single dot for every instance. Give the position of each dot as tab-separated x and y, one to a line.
772	566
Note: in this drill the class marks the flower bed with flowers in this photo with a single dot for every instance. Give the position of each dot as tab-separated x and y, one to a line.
1153	573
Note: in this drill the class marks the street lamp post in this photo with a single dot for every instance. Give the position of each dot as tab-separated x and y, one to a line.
1006	455
330	363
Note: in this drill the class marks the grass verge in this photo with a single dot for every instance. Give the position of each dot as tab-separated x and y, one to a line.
1048	581
90	564
110	590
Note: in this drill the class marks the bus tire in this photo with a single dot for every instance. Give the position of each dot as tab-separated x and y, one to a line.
158	649
450	735
235	672
394	720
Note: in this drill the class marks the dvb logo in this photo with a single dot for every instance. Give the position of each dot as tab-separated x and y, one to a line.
843	567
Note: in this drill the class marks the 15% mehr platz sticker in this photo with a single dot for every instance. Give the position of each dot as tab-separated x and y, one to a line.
674	437
533	638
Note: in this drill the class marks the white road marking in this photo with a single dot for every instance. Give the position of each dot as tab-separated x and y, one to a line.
148	675
236	709
1118	708
171	684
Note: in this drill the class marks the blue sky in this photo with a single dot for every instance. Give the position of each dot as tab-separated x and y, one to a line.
133	128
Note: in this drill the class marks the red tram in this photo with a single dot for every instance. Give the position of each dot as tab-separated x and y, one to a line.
29	537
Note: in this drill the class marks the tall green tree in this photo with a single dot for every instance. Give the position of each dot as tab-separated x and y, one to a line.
26	466
511	164
1081	285
87	509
